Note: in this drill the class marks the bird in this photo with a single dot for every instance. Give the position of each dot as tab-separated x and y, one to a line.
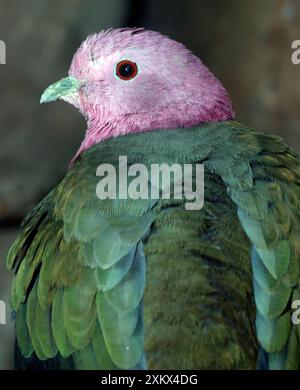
144	283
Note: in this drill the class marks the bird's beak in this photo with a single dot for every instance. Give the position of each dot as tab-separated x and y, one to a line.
62	88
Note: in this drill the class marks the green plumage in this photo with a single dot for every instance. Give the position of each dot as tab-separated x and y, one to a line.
145	283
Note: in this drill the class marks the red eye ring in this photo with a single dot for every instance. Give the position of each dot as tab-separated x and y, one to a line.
126	70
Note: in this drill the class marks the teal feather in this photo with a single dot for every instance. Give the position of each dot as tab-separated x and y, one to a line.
273	334
106	279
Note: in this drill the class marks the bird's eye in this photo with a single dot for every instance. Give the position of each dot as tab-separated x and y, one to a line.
126	70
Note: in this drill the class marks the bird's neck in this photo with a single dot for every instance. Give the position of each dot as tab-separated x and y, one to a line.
102	126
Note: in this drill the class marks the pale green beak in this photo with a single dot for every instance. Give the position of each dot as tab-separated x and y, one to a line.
60	89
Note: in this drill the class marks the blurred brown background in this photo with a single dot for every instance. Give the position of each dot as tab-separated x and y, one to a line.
247	44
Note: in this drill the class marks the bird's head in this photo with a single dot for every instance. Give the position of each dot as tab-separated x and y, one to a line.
131	80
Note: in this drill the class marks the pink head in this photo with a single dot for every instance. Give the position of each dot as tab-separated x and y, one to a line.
160	85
